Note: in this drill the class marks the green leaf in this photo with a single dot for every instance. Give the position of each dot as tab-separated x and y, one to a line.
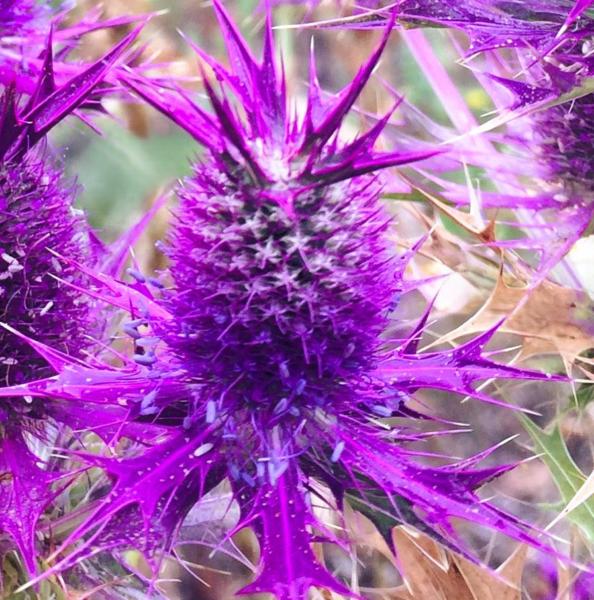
584	395
568	478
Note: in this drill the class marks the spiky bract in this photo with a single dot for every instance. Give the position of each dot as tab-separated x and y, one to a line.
490	24
504	24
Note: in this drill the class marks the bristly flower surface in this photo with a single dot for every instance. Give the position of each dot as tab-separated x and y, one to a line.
556	71
269	361
38	297
564	137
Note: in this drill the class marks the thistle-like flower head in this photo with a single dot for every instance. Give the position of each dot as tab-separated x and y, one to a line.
37	295
269	362
557	72
564	137
37	217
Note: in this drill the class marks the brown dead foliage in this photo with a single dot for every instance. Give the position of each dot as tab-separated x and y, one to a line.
430	571
549	317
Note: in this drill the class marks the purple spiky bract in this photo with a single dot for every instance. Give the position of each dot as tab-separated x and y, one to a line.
501	24
269	361
553	42
490	24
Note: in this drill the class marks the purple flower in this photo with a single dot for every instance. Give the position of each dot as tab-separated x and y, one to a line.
565	137
37	218
269	362
555	73
17	17
38	295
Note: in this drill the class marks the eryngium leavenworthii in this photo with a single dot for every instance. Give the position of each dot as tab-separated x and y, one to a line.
268	363
38	294
36	217
281	293
564	136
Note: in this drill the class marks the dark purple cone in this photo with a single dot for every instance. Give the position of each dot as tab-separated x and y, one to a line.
278	310
566	137
37	217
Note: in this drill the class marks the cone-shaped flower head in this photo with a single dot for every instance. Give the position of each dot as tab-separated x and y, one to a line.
565	136
269	361
37	217
283	280
37	294
557	70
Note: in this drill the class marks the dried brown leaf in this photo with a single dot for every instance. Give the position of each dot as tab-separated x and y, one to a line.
484	585
426	568
429	571
551	318
485	233
361	528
